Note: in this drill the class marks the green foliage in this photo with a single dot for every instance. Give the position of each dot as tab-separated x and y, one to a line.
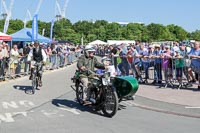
103	30
195	35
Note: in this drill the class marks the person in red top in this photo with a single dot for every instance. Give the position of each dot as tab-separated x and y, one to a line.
129	56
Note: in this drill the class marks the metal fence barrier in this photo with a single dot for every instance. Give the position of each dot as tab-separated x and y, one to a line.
11	69
168	72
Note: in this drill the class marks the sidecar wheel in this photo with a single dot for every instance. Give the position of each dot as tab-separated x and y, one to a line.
79	93
110	106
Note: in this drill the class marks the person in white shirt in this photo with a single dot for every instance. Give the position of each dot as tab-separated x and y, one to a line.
37	54
14	59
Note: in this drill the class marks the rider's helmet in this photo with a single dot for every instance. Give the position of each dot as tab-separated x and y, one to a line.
88	49
106	60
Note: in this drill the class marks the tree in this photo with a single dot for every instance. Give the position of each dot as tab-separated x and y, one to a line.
195	35
100	23
14	26
102	30
83	27
134	31
113	31
158	32
177	32
181	34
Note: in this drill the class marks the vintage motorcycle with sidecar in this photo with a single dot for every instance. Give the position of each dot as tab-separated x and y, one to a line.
106	91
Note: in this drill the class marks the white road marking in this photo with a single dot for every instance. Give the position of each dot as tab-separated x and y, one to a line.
129	103
74	111
22	113
26	103
7	118
49	113
188	107
12	104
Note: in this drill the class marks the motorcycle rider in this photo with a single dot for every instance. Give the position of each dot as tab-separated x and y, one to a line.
38	55
86	63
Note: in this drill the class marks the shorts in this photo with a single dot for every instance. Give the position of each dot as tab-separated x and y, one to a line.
196	69
13	65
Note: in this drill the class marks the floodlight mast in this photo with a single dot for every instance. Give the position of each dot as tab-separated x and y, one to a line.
64	8
28	13
59	14
38	6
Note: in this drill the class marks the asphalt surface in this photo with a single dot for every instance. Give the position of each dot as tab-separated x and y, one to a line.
53	109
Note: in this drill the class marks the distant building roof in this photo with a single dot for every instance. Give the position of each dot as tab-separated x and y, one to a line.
126	23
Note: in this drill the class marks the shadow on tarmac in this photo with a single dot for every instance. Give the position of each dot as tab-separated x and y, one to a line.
26	89
75	105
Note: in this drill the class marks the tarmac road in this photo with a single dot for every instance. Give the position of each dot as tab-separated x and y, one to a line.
53	109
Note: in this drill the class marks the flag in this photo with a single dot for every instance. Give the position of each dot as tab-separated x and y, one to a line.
35	28
6	24
51	32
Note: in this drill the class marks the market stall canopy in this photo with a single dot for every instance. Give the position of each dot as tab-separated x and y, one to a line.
5	37
25	35
97	42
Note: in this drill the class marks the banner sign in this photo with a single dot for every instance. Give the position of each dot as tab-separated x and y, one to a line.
51	32
6	24
35	28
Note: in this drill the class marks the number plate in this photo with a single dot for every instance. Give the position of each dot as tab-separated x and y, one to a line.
105	81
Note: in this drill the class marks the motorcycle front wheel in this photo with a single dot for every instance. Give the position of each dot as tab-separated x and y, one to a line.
110	106
79	93
34	83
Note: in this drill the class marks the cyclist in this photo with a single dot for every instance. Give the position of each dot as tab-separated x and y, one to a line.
86	63
37	54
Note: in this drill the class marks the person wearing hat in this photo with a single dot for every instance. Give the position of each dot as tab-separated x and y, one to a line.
184	51
157	65
179	65
85	64
37	54
167	65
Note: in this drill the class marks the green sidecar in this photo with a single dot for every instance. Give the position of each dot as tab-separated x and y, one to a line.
125	86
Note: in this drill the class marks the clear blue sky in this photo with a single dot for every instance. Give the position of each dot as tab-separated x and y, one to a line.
184	13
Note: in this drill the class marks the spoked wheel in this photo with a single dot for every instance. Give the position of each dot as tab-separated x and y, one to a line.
79	93
34	83
110	106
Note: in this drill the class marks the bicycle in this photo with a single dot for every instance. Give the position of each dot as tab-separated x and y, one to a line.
36	76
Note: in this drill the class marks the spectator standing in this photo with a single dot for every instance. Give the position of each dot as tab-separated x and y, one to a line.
195	63
26	51
53	57
14	59
48	53
1	63
157	65
167	65
124	66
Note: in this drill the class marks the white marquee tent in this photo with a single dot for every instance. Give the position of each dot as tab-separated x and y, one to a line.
97	42
118	42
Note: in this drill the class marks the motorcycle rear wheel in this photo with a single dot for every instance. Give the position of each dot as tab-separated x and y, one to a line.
110	106
79	93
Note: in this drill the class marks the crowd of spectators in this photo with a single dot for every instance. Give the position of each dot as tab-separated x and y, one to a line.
13	61
170	61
